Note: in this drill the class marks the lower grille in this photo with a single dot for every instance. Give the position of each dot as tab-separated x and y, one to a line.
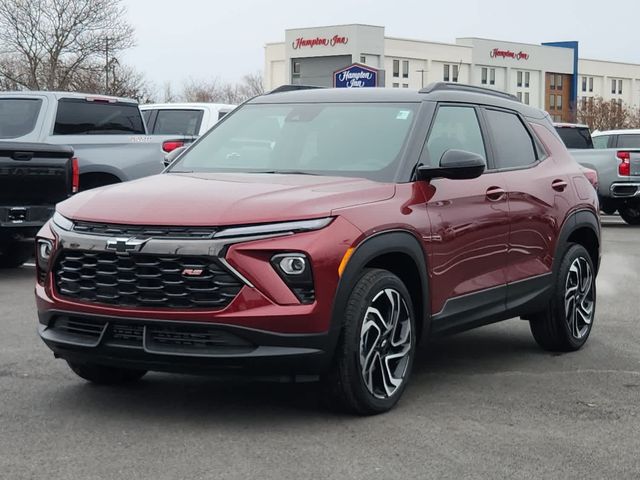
143	280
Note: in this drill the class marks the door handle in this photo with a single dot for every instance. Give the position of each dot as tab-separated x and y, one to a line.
559	185
495	194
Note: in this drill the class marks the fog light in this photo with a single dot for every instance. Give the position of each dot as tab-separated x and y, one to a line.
293	265
44	250
295	270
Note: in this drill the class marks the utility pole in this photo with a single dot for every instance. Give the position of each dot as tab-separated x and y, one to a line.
421	72
106	67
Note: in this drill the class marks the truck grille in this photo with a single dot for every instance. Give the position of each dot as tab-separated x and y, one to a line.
113	230
143	280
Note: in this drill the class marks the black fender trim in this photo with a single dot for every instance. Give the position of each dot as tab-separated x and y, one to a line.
579	219
394	241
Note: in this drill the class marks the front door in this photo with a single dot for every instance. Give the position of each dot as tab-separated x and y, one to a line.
469	226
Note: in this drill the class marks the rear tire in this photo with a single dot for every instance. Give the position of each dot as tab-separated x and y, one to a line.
14	254
104	375
375	352
630	213
566	323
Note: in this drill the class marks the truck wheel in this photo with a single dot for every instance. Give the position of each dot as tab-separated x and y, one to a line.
104	375
375	353
630	213
566	323
13	255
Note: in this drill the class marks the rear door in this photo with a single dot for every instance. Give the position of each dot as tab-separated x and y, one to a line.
469	224
536	188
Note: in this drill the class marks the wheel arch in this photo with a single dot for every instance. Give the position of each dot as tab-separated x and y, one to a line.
398	251
90	180
583	228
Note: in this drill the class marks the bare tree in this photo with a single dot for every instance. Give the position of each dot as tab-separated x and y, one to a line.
216	91
602	114
49	44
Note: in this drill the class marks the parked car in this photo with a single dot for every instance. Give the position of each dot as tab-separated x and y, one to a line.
617	162
107	134
191	119
33	178
324	232
616	138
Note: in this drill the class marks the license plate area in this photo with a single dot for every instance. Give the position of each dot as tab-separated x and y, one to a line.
17	215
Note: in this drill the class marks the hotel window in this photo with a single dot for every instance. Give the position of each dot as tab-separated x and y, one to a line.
552	102
454	77
613	86
396	85
484	79
396	68
559	82
492	76
450	73
559	102
363	59
552	82
584	84
591	84
526	98
519	95
526	79
405	69
519	79
620	88
445	76
405	85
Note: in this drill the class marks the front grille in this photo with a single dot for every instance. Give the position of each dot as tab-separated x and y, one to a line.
112	230
79	327
143	280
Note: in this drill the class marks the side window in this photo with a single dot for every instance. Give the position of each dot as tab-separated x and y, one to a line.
512	143
455	128
178	122
629	140
146	114
601	141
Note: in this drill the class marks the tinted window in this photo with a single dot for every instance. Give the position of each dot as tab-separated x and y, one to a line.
575	137
18	116
357	140
629	141
455	128
79	116
178	122
601	141
513	145
146	114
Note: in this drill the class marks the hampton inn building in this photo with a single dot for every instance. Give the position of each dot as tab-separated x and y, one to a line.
550	76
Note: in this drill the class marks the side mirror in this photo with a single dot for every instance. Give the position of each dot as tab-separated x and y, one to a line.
171	157
454	164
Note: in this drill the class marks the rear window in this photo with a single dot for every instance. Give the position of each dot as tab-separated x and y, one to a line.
575	137
629	141
178	122
80	116
18	116
601	141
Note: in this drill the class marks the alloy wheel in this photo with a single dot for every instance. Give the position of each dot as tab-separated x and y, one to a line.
579	298
385	343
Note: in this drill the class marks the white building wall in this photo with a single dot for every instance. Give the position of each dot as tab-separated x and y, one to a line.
275	68
603	72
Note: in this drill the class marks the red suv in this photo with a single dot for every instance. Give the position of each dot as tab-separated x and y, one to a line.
324	232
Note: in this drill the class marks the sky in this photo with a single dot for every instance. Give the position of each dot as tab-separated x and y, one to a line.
177	40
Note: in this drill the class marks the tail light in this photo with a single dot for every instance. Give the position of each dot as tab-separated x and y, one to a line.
591	175
624	168
75	175
170	145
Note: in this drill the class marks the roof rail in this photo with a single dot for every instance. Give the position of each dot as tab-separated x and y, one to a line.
461	87
291	88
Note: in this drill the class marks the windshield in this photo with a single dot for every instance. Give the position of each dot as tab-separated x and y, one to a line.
575	137
358	140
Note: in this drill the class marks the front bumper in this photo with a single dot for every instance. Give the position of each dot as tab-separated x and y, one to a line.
182	347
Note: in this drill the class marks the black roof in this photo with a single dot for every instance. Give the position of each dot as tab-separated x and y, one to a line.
437	92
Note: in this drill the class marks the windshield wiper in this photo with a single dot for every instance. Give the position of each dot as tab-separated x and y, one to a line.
285	172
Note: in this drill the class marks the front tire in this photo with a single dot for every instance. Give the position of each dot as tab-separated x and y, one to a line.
566	323
375	353
104	375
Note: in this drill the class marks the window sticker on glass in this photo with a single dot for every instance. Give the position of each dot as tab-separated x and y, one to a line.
403	114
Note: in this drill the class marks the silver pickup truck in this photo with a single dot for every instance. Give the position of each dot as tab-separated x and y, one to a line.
617	163
108	134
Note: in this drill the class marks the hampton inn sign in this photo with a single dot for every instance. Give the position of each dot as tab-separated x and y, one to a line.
302	42
498	53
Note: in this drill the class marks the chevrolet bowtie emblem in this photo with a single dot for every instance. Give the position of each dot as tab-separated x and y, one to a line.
125	245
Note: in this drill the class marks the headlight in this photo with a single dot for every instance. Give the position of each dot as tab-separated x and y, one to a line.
295	270
62	222
284	227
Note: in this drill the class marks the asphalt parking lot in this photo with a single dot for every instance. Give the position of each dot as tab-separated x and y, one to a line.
484	404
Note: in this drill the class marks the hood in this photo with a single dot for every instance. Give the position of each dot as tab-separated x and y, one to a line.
212	199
